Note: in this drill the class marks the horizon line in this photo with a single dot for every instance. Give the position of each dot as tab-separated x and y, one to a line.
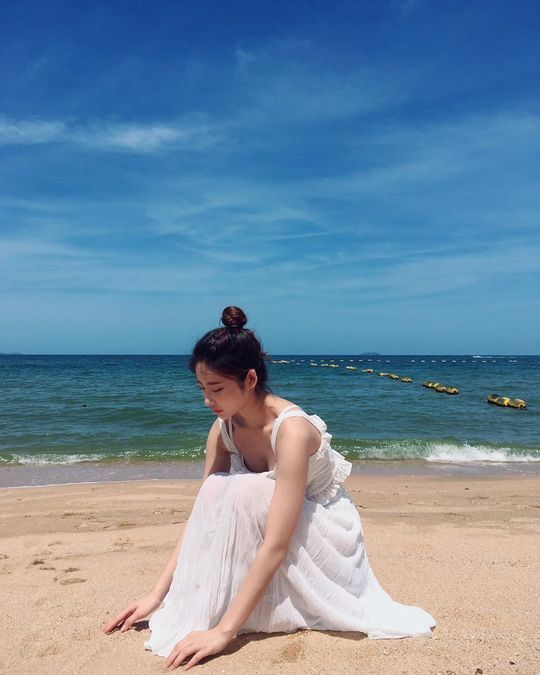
485	356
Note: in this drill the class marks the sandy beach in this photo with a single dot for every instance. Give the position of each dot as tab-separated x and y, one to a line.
464	548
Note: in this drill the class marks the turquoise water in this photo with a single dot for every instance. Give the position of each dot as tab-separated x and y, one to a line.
73	409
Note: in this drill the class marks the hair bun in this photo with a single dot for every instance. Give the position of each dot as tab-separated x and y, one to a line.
233	317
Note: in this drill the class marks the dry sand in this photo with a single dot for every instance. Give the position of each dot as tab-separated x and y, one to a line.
465	549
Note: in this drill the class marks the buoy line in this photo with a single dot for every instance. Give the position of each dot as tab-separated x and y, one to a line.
441	388
506	402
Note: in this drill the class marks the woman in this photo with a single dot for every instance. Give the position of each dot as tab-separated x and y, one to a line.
274	543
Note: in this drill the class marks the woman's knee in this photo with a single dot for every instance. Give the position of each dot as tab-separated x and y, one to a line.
252	494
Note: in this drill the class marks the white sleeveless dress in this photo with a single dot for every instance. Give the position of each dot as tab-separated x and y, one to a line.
325	581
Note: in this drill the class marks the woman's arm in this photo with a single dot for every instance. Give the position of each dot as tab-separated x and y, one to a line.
297	440
216	459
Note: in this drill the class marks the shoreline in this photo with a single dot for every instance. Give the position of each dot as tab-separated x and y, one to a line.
463	548
83	473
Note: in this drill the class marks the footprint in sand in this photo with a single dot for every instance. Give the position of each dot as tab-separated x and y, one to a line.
72	580
84	634
51	650
36	561
122	543
40	563
3	556
292	651
72	569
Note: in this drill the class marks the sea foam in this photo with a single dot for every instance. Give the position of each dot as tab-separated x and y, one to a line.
470	453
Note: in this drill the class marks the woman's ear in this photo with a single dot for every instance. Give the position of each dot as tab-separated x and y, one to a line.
251	378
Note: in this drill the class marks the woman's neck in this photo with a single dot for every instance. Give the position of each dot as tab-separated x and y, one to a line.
255	415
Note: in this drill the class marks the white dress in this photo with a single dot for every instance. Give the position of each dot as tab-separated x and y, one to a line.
325	581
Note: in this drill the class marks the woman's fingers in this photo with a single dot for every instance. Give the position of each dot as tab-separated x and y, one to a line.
182	656
129	622
195	647
203	653
171	660
180	652
118	620
198	655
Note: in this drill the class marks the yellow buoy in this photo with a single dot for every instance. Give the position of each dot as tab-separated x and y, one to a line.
393	376
367	370
406	379
517	403
441	388
506	401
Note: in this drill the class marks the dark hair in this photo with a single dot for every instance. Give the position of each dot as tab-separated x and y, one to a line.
232	350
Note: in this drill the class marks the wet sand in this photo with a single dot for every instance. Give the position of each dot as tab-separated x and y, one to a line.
38	474
466	548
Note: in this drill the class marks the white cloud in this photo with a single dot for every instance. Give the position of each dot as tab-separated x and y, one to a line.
11	248
30	132
148	137
446	272
438	152
286	80
132	137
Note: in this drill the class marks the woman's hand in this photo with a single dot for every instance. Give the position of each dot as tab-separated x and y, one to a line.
198	645
137	610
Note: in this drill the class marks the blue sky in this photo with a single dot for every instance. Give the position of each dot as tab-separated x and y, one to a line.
358	176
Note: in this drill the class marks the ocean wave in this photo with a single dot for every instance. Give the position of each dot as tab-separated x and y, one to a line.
35	459
471	453
435	451
442	450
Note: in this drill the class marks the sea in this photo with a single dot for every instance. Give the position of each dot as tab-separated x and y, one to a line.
69	419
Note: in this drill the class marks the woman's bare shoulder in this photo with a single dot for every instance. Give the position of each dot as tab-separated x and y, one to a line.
214	436
279	404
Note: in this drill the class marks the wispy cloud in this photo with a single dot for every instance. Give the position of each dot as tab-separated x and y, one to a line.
286	81
148	137
433	170
34	249
123	136
30	132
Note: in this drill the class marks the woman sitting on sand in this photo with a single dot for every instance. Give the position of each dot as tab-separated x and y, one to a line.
274	542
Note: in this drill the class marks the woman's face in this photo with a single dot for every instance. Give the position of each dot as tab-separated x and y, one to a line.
222	394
